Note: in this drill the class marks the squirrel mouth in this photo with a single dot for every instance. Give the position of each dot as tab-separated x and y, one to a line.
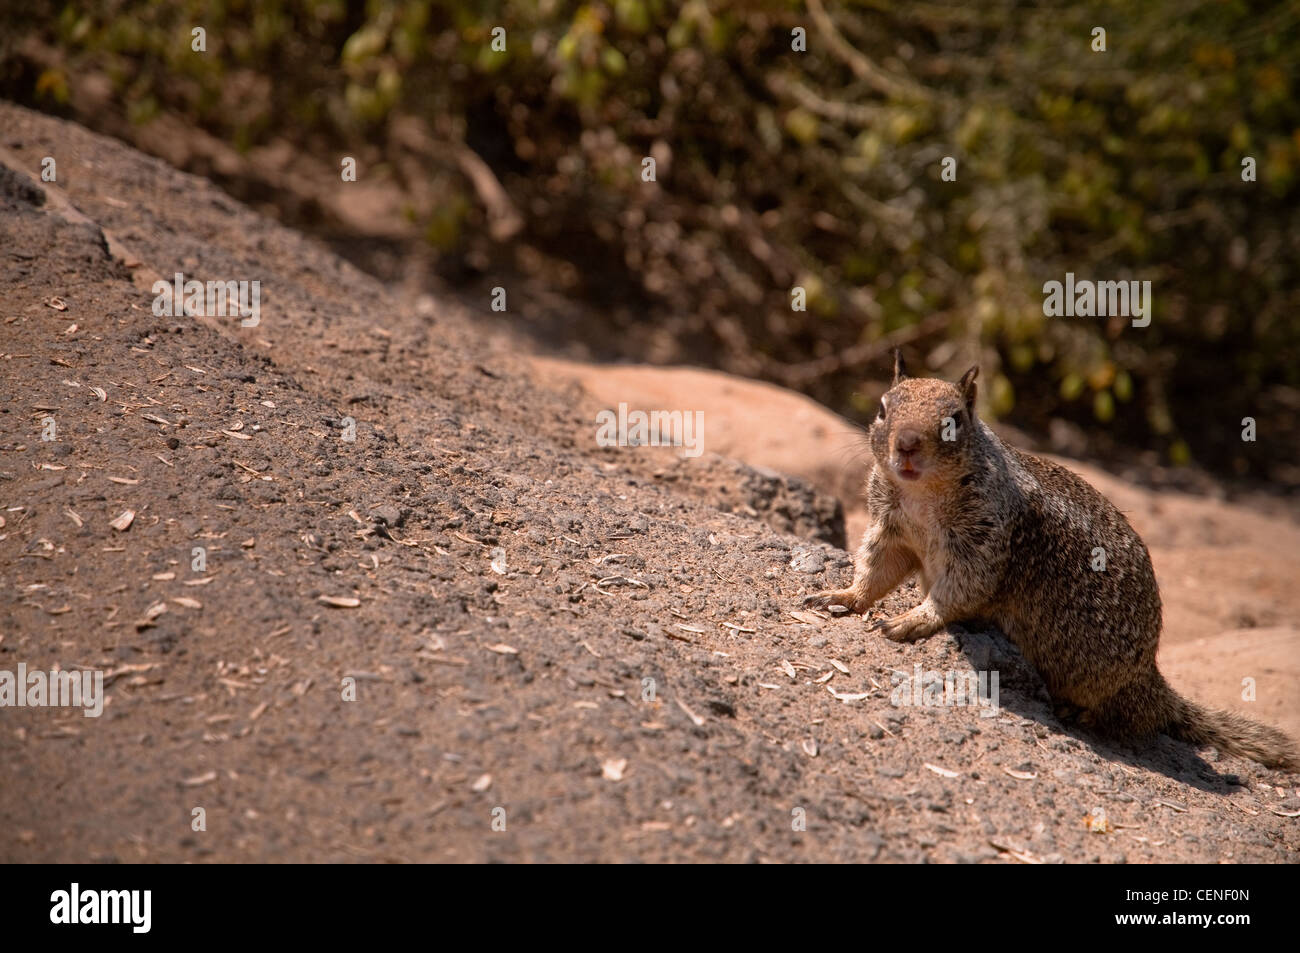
907	471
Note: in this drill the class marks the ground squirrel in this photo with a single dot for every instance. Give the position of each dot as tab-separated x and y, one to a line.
996	533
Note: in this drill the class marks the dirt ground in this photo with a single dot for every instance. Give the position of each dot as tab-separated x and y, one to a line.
560	651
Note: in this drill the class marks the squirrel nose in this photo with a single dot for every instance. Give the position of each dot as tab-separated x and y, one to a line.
907	441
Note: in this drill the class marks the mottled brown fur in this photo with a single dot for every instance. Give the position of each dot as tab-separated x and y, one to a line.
997	533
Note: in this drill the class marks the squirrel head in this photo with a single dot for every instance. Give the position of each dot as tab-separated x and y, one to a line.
924	428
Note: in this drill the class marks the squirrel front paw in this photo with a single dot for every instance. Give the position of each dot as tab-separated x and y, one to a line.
909	627
835	597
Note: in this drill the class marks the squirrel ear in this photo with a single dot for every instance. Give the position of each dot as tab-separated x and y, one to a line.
967	387
900	369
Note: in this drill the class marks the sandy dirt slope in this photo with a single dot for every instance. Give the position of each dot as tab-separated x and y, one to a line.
594	648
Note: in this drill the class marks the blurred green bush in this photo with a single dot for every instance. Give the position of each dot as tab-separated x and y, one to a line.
821	169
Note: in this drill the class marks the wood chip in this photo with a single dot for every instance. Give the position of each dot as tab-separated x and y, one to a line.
942	772
257	712
843	669
788	668
339	602
482	784
123	521
149	619
808	618
200	779
201	581
1021	855
502	649
187	602
847	697
237	436
810	747
1020	775
100	393
73	516
612	769
110	677
125	481
695	719
57	303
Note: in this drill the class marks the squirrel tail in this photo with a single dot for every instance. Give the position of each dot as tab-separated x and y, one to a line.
1230	732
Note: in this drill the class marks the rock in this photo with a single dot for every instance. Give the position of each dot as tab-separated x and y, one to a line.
807	560
388	515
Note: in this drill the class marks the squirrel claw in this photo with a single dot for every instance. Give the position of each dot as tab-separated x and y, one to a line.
832	597
904	628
